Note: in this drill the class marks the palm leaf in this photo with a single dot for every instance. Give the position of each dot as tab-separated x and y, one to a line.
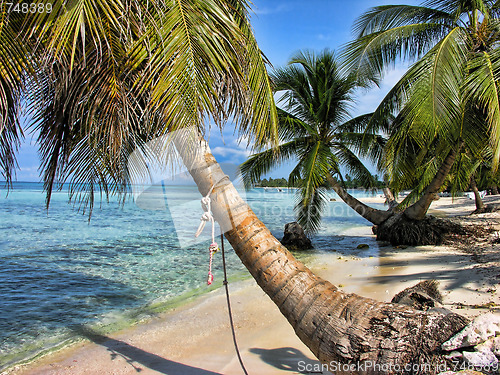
310	209
370	55
353	165
481	87
391	16
261	163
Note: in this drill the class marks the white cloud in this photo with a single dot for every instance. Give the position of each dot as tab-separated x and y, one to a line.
324	37
227	151
280	8
25	173
33	168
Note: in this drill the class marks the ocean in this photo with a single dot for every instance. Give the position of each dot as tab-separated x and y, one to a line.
60	272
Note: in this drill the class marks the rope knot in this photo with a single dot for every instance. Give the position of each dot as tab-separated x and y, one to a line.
205	202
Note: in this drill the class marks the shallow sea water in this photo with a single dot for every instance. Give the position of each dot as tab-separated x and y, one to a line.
59	272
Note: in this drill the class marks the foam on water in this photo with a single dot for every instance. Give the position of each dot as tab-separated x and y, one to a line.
58	271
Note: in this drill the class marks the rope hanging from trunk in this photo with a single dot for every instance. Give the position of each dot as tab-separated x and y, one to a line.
208	216
229	306
213	248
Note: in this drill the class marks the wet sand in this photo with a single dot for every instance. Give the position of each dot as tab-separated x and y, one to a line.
195	339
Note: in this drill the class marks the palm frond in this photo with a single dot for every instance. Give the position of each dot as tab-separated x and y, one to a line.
310	209
390	16
371	146
314	161
115	74
428	104
291	127
353	165
481	87
78	25
369	56
310	176
261	163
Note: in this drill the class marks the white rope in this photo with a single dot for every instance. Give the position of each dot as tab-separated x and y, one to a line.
207	214
205	217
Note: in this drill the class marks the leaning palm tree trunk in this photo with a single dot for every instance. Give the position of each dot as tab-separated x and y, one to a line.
389	197
418	210
477	195
339	328
371	214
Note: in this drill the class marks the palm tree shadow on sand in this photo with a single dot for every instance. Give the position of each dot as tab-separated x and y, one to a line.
135	356
289	359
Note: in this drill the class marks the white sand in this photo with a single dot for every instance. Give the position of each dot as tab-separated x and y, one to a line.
196	339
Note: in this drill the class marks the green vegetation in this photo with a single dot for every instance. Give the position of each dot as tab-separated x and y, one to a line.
354	183
349	183
437	129
273	182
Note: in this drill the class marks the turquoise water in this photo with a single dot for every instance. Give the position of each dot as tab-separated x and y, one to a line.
58	271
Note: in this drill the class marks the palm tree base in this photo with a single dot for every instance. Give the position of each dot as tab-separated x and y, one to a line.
400	230
486	209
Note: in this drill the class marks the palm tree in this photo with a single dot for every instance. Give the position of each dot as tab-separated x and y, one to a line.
316	130
446	100
178	62
338	327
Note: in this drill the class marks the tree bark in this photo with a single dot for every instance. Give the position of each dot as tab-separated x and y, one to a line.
371	214
477	195
339	328
389	197
418	210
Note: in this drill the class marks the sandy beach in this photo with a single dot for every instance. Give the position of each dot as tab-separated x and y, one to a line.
195	339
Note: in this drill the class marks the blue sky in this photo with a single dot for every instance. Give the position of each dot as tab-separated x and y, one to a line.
282	27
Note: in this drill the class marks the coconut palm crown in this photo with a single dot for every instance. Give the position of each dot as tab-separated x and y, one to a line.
111	75
316	130
448	99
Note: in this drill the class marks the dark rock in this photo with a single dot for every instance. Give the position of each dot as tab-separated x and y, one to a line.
362	246
294	237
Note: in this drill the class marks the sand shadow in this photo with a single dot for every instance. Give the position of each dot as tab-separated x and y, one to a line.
137	357
289	359
457	276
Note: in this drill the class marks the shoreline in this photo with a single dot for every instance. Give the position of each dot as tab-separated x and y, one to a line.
195	338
